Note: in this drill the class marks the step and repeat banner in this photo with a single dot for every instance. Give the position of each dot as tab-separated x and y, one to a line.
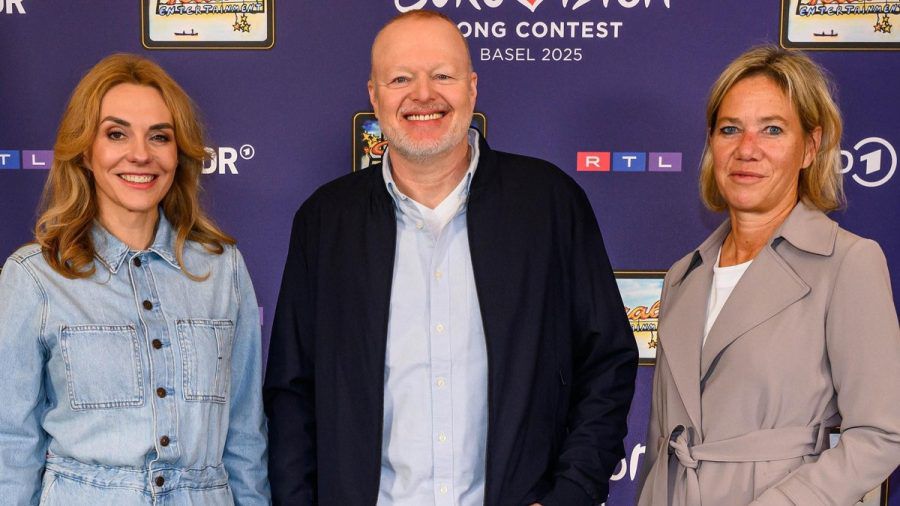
612	91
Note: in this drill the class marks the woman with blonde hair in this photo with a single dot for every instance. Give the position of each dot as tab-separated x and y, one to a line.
781	324
129	330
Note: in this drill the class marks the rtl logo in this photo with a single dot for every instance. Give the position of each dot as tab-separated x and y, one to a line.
628	161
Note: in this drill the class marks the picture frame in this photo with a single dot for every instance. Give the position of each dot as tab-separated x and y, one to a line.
641	293
208	24
844	25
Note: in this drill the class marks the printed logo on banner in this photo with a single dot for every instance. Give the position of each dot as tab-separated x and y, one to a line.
628	161
369	143
37	159
12	7
593	161
872	162
537	40
225	159
9	159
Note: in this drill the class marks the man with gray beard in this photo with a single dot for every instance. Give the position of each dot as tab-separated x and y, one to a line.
448	331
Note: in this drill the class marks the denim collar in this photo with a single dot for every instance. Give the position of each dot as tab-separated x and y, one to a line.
111	252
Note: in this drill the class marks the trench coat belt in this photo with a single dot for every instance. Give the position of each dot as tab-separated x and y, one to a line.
757	446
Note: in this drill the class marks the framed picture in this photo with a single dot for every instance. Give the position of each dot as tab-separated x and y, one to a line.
641	291
208	24
369	143
840	24
878	496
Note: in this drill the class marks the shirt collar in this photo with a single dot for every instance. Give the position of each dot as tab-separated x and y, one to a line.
111	252
399	197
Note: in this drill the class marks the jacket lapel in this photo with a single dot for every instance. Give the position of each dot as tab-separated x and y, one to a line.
680	335
770	284
376	259
682	320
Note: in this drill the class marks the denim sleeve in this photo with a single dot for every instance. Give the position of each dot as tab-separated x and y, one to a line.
245	446
23	442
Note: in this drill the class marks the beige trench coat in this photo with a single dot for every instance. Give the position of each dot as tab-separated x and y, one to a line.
808	339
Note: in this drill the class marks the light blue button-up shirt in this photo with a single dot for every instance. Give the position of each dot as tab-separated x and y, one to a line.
133	386
435	374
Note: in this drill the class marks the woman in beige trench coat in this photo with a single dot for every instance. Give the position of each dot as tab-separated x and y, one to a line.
807	338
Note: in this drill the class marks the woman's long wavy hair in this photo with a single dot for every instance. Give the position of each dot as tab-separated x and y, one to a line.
69	201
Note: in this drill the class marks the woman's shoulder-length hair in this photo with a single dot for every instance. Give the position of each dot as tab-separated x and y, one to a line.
810	90
69	202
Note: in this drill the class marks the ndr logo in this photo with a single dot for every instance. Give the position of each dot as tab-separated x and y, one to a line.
224	160
12	7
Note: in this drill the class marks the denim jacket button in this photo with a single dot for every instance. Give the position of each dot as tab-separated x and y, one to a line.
161	392
136	261
164	441
148	305
160	481
157	344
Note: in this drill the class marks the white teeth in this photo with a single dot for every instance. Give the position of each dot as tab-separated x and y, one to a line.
134	178
425	117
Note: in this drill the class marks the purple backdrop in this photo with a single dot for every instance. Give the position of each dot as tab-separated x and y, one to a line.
632	76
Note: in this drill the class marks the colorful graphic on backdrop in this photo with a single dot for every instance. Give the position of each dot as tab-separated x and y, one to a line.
208	24
840	24
641	292
369	143
531	31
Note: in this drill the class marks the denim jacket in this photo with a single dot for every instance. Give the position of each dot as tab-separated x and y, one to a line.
134	386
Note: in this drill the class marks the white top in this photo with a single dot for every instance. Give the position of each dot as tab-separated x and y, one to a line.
724	281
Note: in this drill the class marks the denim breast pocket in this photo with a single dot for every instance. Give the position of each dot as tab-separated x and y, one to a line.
206	358
103	366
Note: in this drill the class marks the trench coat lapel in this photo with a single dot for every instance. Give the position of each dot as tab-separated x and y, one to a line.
770	284
376	258
684	314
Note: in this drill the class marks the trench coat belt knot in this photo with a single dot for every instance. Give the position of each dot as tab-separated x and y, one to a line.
757	446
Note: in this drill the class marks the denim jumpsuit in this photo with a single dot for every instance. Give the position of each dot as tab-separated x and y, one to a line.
134	386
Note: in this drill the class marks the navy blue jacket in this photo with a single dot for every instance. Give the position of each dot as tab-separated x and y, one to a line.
561	356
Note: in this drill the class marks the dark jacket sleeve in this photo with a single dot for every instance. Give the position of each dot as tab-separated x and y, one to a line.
605	358
289	390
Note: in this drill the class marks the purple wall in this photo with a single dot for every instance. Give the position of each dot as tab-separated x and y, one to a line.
640	88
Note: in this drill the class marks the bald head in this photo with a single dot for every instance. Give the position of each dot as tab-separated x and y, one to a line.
419	22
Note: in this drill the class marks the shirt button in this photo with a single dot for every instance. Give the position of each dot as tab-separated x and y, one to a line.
161	392
439	327
442	437
438	274
443	489
164	441
160	481
440	382
157	344
136	261
147	305
419	225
